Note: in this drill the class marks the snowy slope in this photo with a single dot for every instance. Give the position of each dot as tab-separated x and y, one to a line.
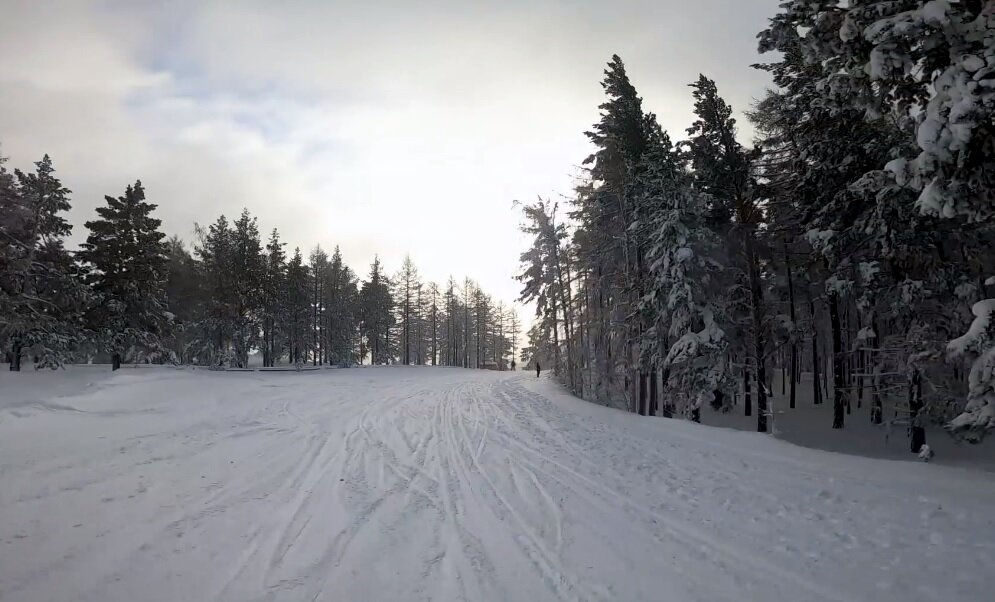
448	484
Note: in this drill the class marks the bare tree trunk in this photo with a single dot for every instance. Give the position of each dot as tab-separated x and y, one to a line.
15	355
847	359
748	399
668	402
794	326
654	407
877	408
916	428
435	332
861	370
642	409
839	405
757	312
314	321
816	385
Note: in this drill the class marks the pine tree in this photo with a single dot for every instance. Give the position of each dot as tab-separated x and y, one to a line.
128	272
273	302
722	170
185	298
452	338
318	263
248	275
684	303
42	298
514	329
376	315
340	301
297	316
604	212
408	310
545	278
433	322
216	328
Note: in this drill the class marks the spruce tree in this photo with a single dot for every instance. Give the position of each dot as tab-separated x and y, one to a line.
42	297
128	271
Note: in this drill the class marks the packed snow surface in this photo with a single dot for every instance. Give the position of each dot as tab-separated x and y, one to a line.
448	484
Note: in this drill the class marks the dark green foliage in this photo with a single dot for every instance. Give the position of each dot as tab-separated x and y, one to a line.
127	263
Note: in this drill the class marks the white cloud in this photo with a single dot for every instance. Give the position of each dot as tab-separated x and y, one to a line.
388	129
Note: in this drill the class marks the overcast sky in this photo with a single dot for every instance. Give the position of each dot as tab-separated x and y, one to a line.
383	127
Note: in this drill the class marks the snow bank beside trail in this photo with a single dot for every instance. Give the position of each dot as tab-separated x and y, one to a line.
449	484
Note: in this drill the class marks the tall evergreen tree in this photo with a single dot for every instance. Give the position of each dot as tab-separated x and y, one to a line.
128	271
273	302
185	298
408	310
42	298
684	304
217	326
722	170
604	212
376	315
297	316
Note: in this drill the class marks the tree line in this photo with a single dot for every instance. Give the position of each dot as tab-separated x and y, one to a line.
131	294
853	241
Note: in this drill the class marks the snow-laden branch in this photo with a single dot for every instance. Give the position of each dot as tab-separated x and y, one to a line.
979	414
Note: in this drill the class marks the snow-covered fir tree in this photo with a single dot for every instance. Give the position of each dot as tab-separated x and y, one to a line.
684	298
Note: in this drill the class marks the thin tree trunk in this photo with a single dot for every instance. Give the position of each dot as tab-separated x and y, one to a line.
757	312
877	408
847	359
916	428
794	327
642	411
15	355
861	370
816	385
668	404
839	404
747	397
567	320
654	407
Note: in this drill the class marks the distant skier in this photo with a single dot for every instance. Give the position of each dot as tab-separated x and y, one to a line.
538	369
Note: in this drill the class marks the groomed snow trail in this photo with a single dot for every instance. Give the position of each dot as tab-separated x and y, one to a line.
448	484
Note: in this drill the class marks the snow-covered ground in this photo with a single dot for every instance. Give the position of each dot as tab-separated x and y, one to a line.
448	484
810	425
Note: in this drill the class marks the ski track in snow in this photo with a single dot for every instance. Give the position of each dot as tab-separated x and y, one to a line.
448	484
